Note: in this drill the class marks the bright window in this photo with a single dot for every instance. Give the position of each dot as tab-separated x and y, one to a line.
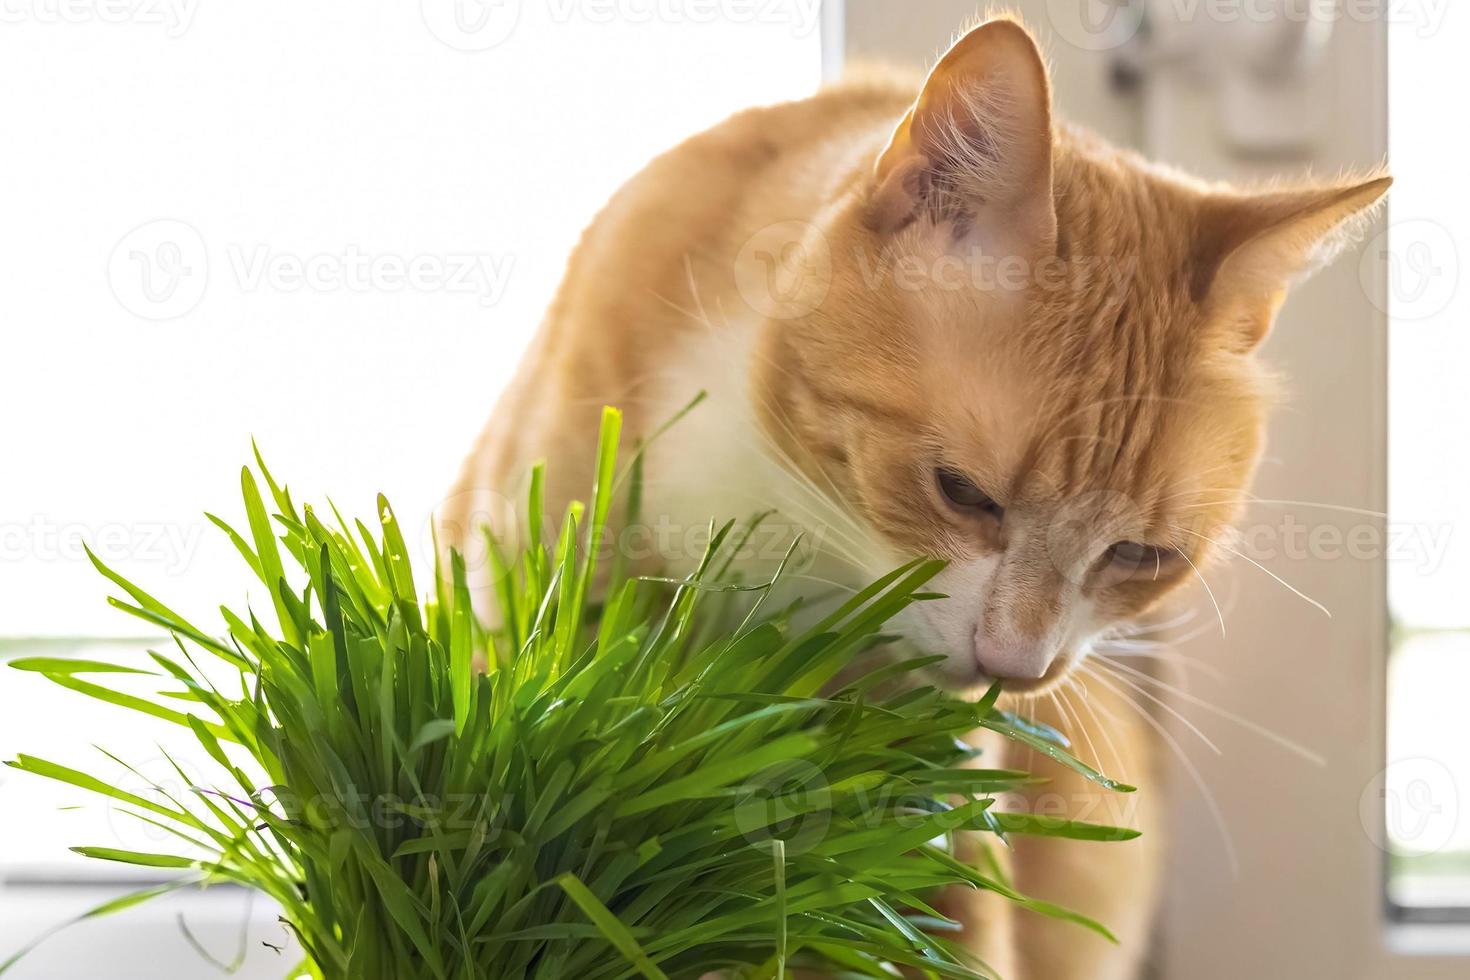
1426	787
331	226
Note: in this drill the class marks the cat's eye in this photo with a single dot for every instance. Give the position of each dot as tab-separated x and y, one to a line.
963	495
1129	557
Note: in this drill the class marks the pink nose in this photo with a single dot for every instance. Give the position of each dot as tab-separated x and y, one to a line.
1013	658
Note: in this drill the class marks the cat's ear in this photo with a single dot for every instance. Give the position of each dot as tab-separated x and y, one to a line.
1250	247
977	144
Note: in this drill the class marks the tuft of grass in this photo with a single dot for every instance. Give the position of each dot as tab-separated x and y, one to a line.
641	784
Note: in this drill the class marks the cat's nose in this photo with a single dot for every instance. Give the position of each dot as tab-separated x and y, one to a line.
1013	657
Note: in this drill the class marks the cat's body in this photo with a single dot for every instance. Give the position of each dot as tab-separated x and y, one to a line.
650	315
833	273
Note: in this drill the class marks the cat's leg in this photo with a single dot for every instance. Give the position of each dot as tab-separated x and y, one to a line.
1115	883
988	921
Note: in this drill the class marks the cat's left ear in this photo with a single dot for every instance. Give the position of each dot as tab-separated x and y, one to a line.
976	146
1251	247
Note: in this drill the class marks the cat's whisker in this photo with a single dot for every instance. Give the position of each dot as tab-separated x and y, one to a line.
830	583
1152	639
1134	630
1216	814
791	469
1208	591
1283	582
1065	723
1320	505
1296	748
1251	500
811	511
837	500
1127	647
1209	742
1185	639
1074	721
1122	771
794	474
692	280
1166	657
1232	597
812	527
833	517
683	311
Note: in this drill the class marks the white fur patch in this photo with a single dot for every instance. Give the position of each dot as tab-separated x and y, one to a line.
718	462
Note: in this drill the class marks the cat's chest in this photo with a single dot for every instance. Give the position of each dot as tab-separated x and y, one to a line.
714	462
717	462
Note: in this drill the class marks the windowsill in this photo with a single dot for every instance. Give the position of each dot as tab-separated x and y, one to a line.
145	941
1429	938
82	873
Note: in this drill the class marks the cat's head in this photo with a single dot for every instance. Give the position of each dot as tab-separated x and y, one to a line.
1033	357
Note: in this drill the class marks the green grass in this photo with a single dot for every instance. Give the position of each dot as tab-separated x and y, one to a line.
651	779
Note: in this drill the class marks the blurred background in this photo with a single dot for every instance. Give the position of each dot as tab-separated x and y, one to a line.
333	227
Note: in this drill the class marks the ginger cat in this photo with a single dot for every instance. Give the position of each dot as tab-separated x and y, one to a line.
946	326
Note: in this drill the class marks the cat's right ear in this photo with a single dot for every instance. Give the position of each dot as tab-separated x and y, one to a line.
976	146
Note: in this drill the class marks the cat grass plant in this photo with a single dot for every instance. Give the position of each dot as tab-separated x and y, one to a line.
649	779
